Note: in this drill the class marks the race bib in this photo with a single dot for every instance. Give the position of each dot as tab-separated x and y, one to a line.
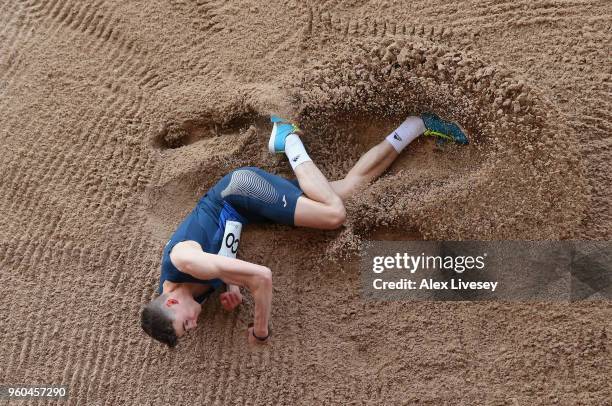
231	238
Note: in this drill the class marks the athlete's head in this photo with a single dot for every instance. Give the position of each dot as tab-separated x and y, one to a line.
170	316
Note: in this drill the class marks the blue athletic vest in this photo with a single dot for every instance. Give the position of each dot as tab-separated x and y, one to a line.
205	225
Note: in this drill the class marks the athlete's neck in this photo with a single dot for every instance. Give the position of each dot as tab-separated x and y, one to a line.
179	289
190	290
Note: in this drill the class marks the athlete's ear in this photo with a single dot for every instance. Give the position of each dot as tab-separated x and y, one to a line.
171	302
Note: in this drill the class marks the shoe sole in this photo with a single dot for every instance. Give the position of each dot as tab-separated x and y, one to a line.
465	133
272	139
460	127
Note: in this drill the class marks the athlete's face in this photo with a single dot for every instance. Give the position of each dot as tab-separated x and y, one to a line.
185	312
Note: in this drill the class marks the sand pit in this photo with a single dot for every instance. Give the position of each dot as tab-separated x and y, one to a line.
116	116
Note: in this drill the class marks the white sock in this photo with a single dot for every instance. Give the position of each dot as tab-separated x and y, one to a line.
407	132
295	151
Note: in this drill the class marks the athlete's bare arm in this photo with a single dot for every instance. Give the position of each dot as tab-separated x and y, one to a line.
188	257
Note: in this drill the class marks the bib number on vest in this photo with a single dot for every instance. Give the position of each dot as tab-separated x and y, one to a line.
231	238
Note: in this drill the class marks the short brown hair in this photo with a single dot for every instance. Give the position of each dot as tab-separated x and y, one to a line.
156	321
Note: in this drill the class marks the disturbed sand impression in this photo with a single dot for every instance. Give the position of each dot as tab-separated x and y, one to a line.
498	187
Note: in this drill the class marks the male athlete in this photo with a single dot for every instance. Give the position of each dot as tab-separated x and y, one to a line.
200	256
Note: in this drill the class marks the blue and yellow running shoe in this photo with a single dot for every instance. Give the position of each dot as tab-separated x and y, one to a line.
443	130
280	130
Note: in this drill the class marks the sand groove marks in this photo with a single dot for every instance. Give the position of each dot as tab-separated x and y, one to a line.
207	20
7	336
81	381
83	343
22	181
320	22
17	30
124	107
123	348
515	12
42	316
596	151
88	379
114	212
19	179
146	295
598	118
228	329
324	21
32	182
212	17
105	35
506	118
12	23
34	309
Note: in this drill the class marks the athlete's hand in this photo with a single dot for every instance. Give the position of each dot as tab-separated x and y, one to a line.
231	299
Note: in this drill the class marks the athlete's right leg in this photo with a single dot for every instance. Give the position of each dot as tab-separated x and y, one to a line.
321	207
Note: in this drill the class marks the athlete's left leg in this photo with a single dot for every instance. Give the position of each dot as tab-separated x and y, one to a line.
374	162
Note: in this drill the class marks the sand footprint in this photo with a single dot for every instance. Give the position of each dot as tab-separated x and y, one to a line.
195	153
177	134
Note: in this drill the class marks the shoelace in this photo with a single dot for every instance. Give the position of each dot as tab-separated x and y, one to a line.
432	133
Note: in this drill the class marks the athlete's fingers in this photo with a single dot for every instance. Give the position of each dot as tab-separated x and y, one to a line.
231	298
225	302
229	301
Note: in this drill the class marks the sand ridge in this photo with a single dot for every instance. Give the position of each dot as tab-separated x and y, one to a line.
503	188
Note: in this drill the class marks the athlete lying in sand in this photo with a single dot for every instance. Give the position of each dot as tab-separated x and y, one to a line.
198	258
